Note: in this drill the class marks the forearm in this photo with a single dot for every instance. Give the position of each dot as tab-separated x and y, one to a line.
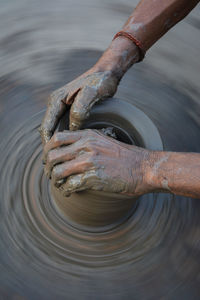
150	20
119	57
177	173
153	18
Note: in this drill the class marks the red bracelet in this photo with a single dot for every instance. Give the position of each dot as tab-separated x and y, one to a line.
134	40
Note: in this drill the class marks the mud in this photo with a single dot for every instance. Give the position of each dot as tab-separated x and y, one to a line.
154	254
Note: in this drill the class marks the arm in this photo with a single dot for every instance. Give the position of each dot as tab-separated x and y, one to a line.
177	173
87	159
148	22
152	19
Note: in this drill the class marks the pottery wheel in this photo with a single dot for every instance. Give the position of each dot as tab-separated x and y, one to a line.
155	252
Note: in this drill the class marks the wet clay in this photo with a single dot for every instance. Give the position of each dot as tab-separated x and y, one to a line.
98	211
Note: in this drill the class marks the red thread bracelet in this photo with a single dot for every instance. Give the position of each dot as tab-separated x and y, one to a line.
134	40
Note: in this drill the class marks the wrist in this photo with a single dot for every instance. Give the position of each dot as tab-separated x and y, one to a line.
140	166
158	172
119	57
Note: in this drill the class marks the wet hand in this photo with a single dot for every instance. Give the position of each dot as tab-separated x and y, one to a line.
81	94
87	159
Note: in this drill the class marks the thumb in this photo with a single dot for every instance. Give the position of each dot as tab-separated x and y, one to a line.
81	106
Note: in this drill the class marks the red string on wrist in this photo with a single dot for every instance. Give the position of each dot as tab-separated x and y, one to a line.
134	40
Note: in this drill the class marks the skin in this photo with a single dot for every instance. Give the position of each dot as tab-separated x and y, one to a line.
172	172
84	161
88	159
149	21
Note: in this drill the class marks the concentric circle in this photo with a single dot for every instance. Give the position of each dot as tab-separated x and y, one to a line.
48	247
155	254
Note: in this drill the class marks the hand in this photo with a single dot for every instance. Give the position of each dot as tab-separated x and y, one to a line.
98	83
88	159
82	94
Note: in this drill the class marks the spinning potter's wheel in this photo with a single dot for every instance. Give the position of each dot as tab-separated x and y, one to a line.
46	253
153	253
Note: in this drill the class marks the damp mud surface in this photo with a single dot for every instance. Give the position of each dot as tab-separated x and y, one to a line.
155	254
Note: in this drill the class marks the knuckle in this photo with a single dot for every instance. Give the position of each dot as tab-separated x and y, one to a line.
91	135
89	160
89	144
58	94
91	156
89	132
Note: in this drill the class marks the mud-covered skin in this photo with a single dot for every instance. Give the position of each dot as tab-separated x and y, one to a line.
151	19
173	172
88	159
83	92
98	83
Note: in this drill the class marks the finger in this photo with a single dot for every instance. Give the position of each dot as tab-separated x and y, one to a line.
60	139
71	95
63	154
75	166
80	182
81	106
57	156
55	109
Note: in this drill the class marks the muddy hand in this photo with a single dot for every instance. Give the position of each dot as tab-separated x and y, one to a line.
102	79
98	83
88	159
81	94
